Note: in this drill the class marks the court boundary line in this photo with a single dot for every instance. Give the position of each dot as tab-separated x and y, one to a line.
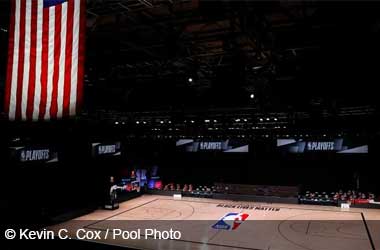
89	226
323	236
214	202
269	204
124	211
189	241
368	232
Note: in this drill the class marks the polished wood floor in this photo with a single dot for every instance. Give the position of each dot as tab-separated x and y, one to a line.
267	227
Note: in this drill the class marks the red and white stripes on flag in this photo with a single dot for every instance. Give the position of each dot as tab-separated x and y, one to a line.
45	59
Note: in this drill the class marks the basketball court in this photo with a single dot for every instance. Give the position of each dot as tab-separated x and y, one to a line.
267	227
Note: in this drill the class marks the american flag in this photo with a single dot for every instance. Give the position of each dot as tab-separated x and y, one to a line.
45	59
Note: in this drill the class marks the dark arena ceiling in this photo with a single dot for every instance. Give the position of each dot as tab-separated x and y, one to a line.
297	58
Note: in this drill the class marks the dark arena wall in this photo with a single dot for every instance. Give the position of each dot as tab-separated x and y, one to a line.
78	179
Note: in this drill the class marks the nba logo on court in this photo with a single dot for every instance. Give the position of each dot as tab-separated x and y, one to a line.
230	221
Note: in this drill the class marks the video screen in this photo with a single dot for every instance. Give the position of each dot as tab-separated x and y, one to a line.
33	154
225	146
106	149
339	146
